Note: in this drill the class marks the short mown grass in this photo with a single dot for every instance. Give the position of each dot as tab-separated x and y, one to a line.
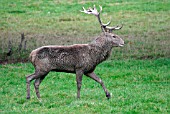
137	86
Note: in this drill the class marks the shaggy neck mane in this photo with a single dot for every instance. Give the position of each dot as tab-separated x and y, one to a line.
101	48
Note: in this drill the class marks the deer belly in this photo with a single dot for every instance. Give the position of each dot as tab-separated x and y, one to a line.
62	65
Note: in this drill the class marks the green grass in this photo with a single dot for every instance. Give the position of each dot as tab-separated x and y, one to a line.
146	25
137	86
137	74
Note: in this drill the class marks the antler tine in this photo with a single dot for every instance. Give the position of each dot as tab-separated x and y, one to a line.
108	23
94	8
114	28
85	11
100	8
91	11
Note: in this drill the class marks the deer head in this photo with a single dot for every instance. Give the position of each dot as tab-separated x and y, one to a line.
106	29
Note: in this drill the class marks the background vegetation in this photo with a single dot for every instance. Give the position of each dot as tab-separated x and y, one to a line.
137	74
146	25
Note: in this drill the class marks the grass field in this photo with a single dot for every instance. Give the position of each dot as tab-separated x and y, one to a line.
137	75
137	86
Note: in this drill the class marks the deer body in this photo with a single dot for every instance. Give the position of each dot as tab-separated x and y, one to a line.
79	59
70	58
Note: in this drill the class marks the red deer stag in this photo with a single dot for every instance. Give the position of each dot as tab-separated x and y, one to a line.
80	59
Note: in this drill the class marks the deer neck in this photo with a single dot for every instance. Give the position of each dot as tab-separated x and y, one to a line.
101	48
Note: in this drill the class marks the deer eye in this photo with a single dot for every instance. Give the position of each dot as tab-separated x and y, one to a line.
114	36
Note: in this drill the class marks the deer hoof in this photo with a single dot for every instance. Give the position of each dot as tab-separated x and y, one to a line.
28	97
108	95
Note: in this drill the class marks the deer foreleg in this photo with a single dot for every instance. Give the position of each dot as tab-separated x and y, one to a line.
97	79
79	75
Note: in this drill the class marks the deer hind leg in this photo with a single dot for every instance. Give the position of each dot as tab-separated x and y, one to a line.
36	85
97	79
31	77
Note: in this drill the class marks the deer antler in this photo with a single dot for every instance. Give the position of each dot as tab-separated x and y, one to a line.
92	11
110	29
104	27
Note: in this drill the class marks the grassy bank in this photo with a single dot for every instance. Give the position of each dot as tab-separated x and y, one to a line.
146	25
137	86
